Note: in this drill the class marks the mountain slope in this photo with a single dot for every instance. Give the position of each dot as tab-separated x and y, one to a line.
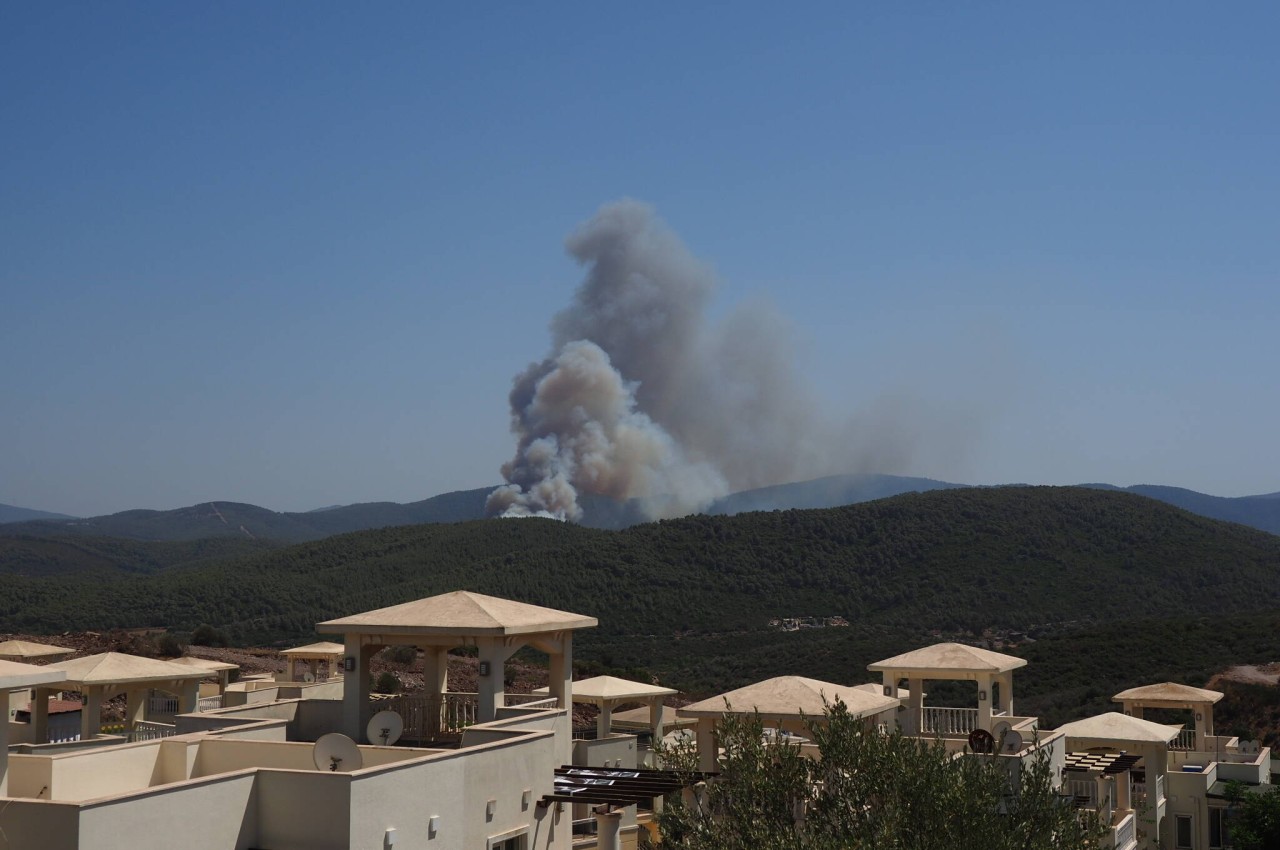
10	513
1262	512
830	492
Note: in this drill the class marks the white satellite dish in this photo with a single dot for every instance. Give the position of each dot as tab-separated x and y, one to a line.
336	752
1008	740
384	728
308	677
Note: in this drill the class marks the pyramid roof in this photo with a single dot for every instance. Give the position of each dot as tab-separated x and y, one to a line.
458	613
1168	692
118	668
204	663
1117	728
790	696
15	675
323	649
15	649
950	658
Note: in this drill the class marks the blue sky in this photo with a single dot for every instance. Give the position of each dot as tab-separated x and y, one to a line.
293	254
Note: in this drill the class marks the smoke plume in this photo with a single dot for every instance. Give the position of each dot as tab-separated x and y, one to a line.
644	398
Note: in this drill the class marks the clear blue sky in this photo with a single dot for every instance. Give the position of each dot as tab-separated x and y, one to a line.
294	253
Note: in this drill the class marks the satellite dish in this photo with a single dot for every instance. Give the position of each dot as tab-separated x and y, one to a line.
308	677
1012	742
384	728
336	752
980	741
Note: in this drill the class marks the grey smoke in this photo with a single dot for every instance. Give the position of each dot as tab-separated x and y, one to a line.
644	398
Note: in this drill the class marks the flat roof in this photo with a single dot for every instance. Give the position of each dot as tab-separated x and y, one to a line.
950	658
458	613
790	696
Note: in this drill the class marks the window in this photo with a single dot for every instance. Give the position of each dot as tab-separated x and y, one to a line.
1182	832
1218	828
509	841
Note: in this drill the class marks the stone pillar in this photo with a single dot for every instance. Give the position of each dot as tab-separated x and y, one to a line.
135	707
604	720
40	716
188	695
91	713
561	675
708	746
435	684
984	705
915	707
608	828
4	755
492	688
356	710
657	723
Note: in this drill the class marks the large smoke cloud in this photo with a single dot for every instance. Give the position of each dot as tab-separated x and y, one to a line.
643	398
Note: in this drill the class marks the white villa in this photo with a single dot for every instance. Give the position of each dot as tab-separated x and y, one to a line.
316	761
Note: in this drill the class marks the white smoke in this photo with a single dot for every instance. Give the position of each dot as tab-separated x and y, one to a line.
643	398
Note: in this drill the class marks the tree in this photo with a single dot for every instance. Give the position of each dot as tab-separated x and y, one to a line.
868	790
1255	819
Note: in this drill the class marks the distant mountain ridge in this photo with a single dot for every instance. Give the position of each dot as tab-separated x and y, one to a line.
12	513
236	519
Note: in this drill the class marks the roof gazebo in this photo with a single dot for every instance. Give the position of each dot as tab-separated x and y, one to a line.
26	651
15	676
991	671
219	670
1094	744
785	700
609	692
496	627
312	654
1172	695
100	677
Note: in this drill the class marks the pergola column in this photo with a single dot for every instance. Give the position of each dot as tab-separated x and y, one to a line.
289	670
708	747
224	679
91	713
135	707
40	715
188	695
435	681
1204	726
356	710
492	687
984	705
657	723
915	701
1006	692
560	685
4	755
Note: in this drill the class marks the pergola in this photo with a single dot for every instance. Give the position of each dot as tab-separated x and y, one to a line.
1121	733
220	670
100	677
992	671
312	654
1172	695
496	627
14	676
786	700
25	651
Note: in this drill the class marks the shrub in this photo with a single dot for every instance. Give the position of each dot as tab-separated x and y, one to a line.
386	683
207	635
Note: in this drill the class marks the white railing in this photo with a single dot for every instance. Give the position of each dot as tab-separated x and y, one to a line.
1083	790
530	700
1124	834
162	705
428	717
1186	740
948	721
145	730
209	703
1140	791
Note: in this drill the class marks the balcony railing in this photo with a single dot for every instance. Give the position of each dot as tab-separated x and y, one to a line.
162	705
145	730
1125	832
1140	791
1186	740
948	721
428	717
209	703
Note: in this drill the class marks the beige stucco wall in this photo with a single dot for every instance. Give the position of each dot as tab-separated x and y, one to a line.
217	813
35	823
304	811
29	774
104	771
